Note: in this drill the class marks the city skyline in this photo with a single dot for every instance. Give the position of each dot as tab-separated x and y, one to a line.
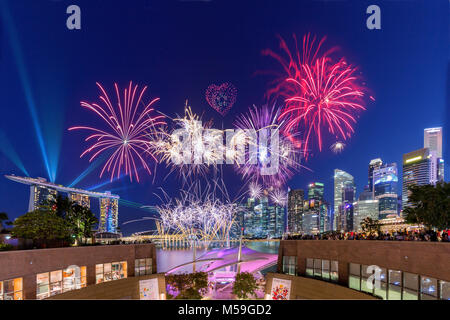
53	81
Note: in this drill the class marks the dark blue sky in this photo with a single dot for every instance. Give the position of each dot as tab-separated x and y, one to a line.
178	48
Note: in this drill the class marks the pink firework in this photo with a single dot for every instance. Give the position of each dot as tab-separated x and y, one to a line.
321	96
327	101
129	122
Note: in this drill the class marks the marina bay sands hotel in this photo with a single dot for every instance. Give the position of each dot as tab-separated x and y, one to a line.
41	190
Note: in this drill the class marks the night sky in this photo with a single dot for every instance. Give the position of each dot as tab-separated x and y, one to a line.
179	48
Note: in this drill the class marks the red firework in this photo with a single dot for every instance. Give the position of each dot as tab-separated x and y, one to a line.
321	95
127	133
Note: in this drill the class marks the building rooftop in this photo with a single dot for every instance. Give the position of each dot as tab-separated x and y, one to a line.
43	182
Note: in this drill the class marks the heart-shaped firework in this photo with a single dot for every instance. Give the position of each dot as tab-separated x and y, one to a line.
221	98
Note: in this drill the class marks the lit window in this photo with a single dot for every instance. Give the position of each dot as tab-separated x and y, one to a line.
395	285
11	289
59	281
110	271
445	290
143	267
410	286
354	278
290	265
428	288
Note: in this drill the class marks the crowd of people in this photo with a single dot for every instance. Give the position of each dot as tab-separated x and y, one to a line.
404	235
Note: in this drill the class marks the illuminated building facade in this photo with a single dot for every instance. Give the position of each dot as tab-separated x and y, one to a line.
263	220
108	215
416	171
432	139
373	164
385	188
40	194
364	209
42	190
315	191
314	218
295	210
342	180
346	209
81	199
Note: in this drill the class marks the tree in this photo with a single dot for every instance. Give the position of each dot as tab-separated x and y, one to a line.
41	225
188	286
430	205
244	285
370	225
4	220
81	221
62	206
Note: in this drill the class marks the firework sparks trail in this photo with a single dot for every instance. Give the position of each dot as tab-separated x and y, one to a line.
196	160
321	94
279	197
204	214
127	131
288	154
255	190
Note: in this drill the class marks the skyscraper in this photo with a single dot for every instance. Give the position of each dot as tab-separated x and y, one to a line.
40	194
373	164
315	191
295	210
385	181
108	214
315	210
416	171
432	139
346	209
364	208
341	179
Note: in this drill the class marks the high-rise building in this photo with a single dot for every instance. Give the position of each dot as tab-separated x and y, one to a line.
108	214
346	209
373	164
342	180
41	190
295	210
315	191
364	208
315	211
432	139
263	220
385	188
40	194
416	171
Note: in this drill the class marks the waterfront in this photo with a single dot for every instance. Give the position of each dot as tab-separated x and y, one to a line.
168	258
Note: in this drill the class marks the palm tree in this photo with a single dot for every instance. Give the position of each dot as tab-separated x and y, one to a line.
4	220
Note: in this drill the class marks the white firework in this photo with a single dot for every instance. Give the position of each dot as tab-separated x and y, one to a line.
337	147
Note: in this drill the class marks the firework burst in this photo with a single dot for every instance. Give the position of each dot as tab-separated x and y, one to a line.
127	128
337	147
206	214
191	148
255	190
256	161
322	95
279	197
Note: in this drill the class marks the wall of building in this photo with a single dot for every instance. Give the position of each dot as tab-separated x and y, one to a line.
306	288
423	258
27	264
114	290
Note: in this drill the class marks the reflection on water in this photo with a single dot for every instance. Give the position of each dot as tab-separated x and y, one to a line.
170	258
